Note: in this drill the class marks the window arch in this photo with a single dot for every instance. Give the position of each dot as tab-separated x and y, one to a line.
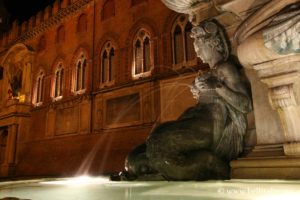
142	54
60	35
80	74
82	23
108	62
108	9
58	82
39	89
182	44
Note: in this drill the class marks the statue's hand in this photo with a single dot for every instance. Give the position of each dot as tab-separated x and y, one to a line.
207	82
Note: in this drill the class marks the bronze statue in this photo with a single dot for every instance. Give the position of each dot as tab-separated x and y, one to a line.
202	141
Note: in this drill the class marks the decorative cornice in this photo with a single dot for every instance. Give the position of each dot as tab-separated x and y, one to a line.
52	21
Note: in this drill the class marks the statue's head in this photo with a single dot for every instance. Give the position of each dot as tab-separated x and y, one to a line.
210	43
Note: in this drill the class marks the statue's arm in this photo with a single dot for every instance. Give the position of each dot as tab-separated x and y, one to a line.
233	91
236	99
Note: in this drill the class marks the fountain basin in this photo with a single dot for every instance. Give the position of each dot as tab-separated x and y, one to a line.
100	188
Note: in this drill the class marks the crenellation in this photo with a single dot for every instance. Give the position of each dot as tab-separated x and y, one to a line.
47	12
4	39
50	16
35	24
65	3
32	22
15	26
39	17
10	35
19	30
15	29
56	7
24	27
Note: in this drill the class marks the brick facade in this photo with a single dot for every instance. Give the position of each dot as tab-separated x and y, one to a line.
91	129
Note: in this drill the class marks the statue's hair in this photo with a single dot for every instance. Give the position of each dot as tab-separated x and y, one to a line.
213	34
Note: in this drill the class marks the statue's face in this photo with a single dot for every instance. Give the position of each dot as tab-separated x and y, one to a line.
202	44
203	50
208	43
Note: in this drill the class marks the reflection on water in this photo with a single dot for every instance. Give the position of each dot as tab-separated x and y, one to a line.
100	188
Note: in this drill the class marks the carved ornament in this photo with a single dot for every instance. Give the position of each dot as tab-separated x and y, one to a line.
283	34
282	96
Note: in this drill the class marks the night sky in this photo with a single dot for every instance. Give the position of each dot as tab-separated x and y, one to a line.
24	9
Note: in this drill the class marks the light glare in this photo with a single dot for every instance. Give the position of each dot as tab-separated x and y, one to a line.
81	180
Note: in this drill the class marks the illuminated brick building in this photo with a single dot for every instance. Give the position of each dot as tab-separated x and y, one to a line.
84	81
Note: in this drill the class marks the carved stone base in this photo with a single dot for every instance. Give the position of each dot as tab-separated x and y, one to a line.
266	162
292	149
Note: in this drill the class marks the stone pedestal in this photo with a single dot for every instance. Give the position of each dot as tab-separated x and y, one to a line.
275	63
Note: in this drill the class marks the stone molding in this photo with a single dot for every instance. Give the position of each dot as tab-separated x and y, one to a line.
282	96
280	76
267	168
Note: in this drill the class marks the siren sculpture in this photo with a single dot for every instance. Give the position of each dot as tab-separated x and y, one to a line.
202	141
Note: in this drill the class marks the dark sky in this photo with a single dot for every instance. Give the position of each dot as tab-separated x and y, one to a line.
24	9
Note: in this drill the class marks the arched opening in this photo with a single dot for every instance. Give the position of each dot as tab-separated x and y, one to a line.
16	83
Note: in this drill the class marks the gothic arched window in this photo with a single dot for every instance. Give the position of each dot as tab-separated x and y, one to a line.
182	44
142	54
39	89
107	64
80	81
58	82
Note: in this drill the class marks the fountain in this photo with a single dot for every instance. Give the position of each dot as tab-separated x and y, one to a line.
269	30
95	188
202	141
